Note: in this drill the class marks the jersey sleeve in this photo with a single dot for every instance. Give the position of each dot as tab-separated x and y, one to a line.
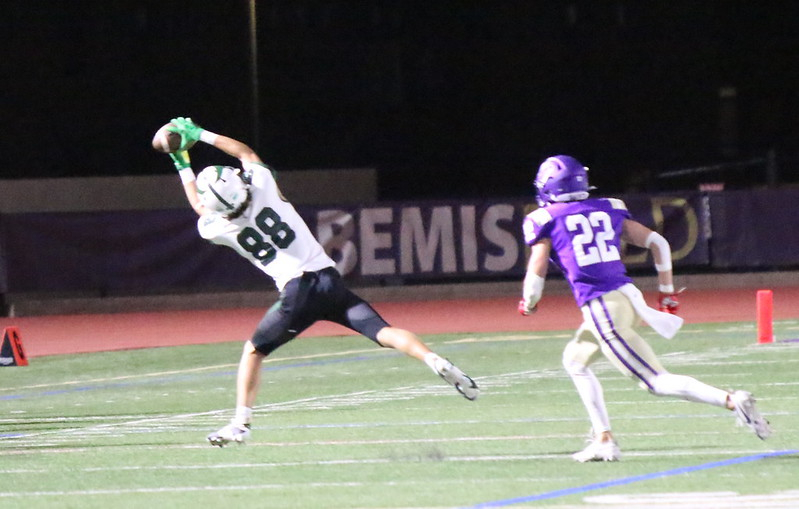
618	204
264	177
213	226
536	225
259	175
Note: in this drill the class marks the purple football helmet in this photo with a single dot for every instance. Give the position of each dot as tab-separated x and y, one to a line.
561	178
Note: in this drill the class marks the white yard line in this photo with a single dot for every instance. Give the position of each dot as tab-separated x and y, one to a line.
677	357
182	371
133	424
332	463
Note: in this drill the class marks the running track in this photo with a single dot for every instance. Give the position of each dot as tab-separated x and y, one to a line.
61	334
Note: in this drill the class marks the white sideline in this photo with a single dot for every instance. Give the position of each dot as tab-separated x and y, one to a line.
334	463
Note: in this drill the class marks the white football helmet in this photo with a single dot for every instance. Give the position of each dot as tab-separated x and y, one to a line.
221	189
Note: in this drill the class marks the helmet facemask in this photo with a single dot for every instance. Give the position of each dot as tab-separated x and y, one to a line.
222	190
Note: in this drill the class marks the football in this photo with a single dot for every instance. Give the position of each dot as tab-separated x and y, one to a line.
166	141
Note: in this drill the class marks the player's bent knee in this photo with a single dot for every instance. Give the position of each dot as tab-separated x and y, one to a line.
574	368
393	337
667	384
249	348
567	359
383	337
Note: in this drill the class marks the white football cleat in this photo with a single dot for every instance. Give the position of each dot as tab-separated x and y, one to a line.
599	451
457	379
231	433
747	414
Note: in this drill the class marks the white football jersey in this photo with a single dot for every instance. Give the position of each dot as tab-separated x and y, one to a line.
270	233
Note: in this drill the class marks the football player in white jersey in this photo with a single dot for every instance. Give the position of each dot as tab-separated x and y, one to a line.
242	208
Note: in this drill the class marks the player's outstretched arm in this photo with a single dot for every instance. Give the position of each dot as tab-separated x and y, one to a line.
191	131
190	188
533	286
639	235
236	149
183	165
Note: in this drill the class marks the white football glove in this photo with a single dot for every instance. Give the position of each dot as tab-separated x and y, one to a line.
532	290
525	309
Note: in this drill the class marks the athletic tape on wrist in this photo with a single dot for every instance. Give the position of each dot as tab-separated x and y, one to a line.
208	137
186	175
532	289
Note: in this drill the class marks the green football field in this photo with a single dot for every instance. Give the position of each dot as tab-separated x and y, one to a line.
343	424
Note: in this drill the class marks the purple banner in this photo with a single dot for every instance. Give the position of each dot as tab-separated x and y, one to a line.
160	251
755	229
684	221
422	240
3	269
478	239
116	252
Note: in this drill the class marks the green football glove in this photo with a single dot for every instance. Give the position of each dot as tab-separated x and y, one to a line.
188	130
181	159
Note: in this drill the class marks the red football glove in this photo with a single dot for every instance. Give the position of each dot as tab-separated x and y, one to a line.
668	303
524	310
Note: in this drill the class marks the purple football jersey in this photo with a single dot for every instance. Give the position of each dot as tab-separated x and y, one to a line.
586	243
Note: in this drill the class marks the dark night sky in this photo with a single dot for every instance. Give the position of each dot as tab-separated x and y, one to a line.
446	98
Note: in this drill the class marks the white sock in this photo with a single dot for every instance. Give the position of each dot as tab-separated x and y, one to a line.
432	359
691	389
590	391
243	415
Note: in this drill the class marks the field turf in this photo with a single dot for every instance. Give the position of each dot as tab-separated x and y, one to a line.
343	424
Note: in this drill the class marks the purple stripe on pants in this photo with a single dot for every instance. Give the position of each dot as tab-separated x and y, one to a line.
622	342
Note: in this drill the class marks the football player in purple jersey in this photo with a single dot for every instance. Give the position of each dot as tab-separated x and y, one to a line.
243	209
583	235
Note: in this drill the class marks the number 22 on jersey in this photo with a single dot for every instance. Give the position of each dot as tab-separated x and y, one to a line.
592	238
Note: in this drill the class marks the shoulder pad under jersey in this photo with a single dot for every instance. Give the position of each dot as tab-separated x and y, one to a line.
540	216
617	204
